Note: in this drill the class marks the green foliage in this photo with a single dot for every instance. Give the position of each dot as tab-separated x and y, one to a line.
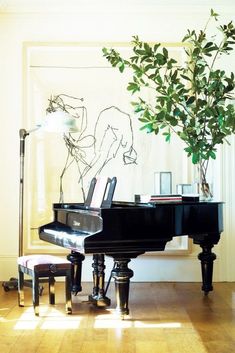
191	100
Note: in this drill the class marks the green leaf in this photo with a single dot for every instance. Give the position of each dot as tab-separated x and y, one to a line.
138	108
105	51
190	100
176	111
185	77
196	52
143	120
160	116
156	130
214	14
147	48
188	150
195	158
134	87
148	127
158	79
208	44
165	52
183	136
161	60
212	154
156	46
167	136
121	66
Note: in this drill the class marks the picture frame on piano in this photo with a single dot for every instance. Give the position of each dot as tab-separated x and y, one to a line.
163	183
78	69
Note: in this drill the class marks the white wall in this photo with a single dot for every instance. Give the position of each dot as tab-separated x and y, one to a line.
93	21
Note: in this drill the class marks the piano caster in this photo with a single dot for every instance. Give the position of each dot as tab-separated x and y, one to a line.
98	297
99	301
75	291
122	312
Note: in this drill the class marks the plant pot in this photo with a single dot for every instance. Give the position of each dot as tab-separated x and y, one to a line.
205	191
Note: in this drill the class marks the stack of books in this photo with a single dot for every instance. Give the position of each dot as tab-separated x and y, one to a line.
166	198
158	198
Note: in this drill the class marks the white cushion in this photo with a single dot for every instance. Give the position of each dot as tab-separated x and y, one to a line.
30	261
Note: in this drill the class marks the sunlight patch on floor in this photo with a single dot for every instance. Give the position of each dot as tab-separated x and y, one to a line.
48	319
113	320
54	319
118	323
112	323
146	324
65	324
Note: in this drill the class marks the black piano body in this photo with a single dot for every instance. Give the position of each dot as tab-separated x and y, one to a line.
127	230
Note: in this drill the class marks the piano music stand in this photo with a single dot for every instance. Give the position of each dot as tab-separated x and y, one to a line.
56	121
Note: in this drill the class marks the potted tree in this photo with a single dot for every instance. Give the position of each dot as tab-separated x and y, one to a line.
192	100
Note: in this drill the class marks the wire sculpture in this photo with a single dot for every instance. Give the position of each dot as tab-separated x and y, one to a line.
113	132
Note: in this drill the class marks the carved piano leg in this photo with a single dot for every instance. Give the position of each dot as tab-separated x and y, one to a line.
122	274
98	297
76	273
207	257
93	296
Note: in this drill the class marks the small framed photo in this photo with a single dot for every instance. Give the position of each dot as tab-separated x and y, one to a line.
163	183
184	189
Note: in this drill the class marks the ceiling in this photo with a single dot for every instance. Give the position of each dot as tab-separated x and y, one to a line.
22	6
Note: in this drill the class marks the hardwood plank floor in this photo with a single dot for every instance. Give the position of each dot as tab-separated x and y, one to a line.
164	318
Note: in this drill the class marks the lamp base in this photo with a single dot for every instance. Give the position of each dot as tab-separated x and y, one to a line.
12	284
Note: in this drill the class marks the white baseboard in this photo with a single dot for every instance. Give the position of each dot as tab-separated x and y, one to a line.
146	268
8	267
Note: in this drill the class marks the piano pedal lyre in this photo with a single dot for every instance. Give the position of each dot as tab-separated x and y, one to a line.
98	296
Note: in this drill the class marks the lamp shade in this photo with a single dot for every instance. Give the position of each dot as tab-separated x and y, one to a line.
60	121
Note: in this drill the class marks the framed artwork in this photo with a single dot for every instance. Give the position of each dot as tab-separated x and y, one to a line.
109	140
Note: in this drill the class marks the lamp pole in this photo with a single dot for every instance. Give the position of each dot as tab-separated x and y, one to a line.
23	135
58	121
13	282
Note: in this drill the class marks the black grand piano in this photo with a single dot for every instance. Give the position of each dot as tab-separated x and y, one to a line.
126	230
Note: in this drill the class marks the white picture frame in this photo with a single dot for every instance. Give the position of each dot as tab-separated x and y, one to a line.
54	68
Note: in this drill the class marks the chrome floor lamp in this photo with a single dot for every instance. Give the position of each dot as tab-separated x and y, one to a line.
58	121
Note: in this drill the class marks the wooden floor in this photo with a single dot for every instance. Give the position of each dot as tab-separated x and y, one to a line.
164	317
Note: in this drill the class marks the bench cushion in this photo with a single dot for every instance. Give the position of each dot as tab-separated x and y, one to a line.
30	261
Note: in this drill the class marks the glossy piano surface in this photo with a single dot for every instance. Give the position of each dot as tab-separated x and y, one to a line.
126	230
129	226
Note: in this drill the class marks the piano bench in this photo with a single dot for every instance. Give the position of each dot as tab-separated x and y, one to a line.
44	266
